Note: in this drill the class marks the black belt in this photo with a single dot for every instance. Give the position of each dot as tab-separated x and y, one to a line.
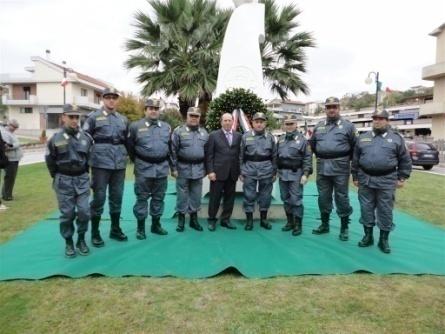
109	141
152	160
378	172
73	173
257	158
291	164
333	155
190	161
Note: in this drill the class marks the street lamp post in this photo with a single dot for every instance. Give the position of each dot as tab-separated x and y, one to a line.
368	81
64	82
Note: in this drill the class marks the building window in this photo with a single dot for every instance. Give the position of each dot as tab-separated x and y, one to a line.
83	92
26	92
96	98
26	110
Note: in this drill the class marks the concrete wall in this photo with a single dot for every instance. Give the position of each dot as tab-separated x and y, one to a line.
51	93
438	127
45	73
26	121
439	90
440	50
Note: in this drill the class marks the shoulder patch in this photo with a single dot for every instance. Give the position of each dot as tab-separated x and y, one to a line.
60	143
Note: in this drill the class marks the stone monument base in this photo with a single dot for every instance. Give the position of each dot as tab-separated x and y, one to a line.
276	210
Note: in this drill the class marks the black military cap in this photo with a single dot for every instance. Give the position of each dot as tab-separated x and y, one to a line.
381	113
291	119
194	111
155	103
71	109
332	101
259	115
110	91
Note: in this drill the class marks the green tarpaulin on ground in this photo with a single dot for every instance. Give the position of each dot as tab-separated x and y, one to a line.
418	248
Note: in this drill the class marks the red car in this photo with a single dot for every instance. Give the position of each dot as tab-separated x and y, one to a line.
423	154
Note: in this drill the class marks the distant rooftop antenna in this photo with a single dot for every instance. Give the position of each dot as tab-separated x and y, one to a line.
48	54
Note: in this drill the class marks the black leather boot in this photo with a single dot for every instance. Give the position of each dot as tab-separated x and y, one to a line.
156	227
227	224
140	232
249	221
263	221
181	222
344	230
368	238
116	232
96	239
298	228
70	252
194	224
290	223
81	245
324	227
212	224
383	242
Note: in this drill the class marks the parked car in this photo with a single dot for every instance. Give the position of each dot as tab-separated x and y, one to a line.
423	154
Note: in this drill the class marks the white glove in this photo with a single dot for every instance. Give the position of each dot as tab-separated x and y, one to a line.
303	180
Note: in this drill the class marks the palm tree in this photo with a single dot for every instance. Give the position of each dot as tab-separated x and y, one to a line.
177	51
283	53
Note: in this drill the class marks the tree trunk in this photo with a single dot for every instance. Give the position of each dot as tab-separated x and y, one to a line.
183	107
203	104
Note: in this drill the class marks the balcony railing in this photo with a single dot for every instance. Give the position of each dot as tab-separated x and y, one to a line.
83	101
18	101
433	72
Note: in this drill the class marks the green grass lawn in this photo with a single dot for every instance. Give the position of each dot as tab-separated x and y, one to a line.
28	140
228	303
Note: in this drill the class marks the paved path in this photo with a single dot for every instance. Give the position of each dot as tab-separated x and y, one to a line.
33	156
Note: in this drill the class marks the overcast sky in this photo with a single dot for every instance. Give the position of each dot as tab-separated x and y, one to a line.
353	38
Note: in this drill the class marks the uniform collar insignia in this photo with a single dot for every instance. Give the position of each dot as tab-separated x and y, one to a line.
66	135
104	112
384	135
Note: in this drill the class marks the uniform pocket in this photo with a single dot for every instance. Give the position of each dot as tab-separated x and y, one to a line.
84	183
64	185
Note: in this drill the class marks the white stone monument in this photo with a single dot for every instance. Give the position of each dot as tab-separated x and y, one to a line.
240	63
240	66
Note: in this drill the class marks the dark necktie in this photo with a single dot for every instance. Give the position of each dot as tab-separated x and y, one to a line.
229	137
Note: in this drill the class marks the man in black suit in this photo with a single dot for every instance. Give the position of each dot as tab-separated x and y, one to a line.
222	157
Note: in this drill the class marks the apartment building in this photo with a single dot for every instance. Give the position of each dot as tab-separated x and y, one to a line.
282	108
36	97
436	73
405	118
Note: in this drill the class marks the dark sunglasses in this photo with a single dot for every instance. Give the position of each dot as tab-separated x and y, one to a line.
111	97
73	116
289	123
332	107
376	118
